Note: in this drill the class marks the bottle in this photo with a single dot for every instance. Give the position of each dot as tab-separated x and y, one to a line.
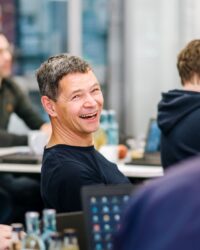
113	128
32	241
17	236
100	136
49	225
104	120
55	242
70	240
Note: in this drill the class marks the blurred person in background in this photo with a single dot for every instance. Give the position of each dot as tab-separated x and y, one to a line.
13	100
72	96
179	110
23	191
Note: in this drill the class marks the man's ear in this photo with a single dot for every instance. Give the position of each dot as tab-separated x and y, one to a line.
49	105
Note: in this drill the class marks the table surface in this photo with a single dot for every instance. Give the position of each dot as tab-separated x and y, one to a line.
139	171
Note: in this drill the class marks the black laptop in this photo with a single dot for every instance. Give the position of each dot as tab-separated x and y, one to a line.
21	158
102	209
151	155
73	220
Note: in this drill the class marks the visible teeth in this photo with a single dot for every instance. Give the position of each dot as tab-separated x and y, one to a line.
88	115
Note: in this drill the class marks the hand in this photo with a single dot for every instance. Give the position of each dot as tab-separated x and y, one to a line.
5	237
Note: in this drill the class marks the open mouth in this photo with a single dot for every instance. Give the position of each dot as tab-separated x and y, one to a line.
89	116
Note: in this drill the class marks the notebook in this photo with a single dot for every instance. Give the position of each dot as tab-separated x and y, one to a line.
102	207
152	147
73	220
21	157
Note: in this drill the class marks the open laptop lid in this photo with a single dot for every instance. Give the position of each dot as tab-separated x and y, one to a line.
152	144
102	207
21	157
73	220
19	154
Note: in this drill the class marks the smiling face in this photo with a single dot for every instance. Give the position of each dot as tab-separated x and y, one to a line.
78	106
5	57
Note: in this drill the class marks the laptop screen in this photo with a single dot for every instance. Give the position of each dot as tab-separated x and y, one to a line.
153	137
102	206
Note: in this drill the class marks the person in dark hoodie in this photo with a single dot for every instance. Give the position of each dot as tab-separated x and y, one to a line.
179	110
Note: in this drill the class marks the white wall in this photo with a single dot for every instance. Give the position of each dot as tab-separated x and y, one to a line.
145	38
155	31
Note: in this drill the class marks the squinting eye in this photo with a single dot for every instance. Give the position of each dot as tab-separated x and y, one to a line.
75	97
96	90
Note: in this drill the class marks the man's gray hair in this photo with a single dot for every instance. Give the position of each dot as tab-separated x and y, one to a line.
54	69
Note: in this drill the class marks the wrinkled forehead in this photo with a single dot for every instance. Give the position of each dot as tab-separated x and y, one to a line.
78	81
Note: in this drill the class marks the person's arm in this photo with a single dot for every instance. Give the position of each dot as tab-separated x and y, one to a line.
25	110
5	237
9	139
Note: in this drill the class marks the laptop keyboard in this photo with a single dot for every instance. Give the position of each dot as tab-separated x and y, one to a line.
149	159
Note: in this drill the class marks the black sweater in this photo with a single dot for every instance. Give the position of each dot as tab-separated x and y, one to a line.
65	169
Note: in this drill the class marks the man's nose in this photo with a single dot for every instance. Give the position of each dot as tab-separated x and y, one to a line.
89	100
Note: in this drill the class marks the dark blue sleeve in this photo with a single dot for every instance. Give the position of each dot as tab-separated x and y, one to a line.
114	176
109	171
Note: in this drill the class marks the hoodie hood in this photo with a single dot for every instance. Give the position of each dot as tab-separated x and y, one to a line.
174	106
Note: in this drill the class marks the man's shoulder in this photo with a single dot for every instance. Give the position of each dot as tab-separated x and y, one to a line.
60	170
58	157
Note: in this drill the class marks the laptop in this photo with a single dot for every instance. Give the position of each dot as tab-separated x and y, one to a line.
21	158
73	220
102	207
151	155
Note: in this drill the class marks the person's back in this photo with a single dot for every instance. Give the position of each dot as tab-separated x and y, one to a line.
164	214
179	123
179	110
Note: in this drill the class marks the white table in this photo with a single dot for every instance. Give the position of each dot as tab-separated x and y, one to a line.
141	171
20	168
136	171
